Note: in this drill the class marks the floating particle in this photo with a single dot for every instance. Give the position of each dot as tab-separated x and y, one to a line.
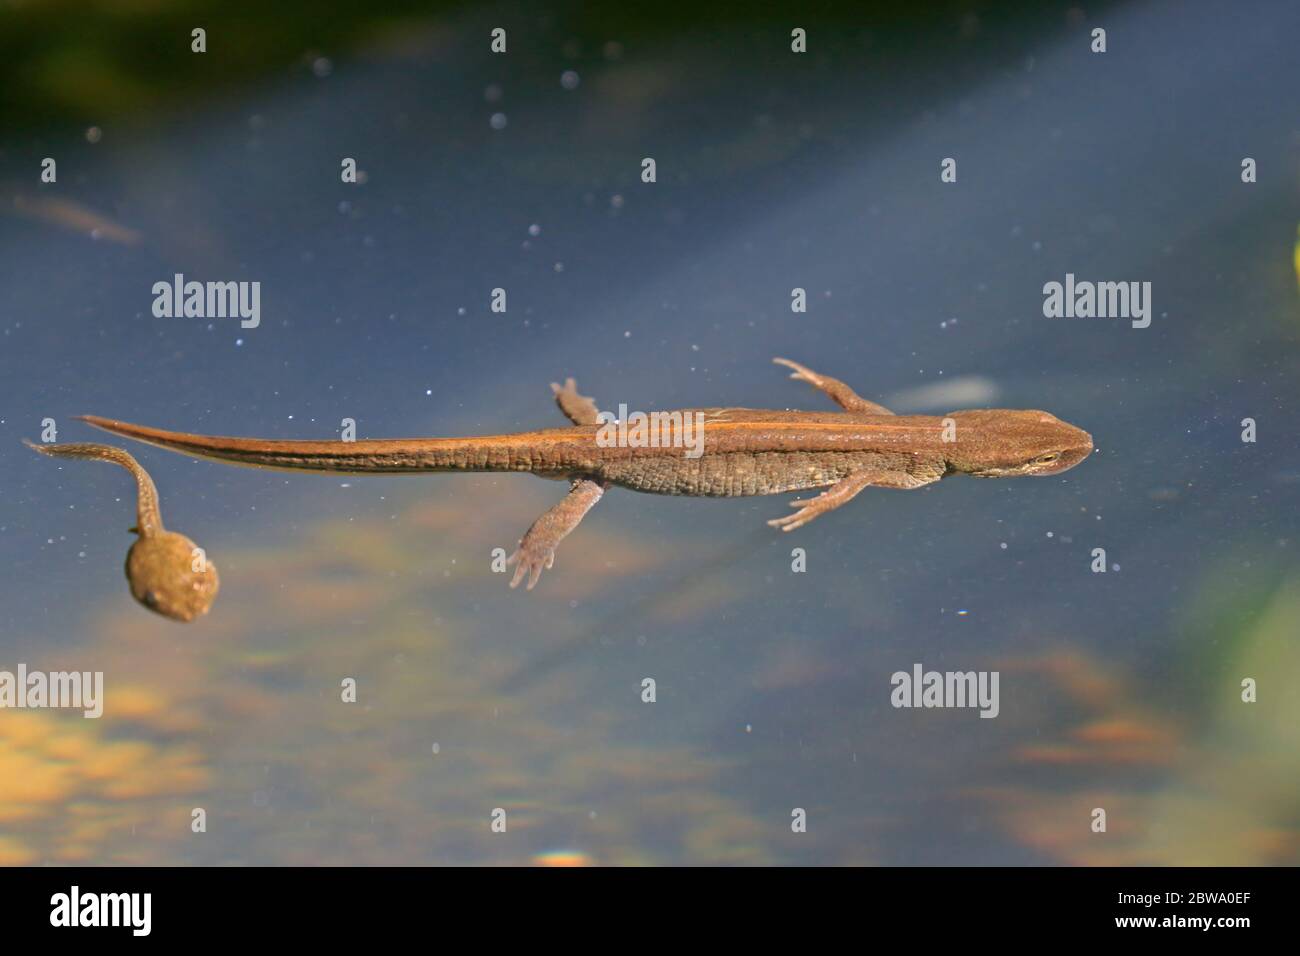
569	79
498	121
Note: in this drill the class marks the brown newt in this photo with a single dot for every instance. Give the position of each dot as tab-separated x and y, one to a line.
743	451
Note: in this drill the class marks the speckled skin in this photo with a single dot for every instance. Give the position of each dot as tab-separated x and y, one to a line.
161	571
745	452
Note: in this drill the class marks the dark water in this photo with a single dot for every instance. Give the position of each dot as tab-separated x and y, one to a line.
1118	690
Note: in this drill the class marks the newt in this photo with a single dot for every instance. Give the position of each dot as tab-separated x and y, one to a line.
745	451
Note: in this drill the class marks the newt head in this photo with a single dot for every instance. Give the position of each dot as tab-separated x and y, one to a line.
1008	443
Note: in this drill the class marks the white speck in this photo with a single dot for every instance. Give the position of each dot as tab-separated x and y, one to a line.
428	391
437	749
616	201
559	267
749	728
94	134
534	230
1051	534
1003	546
238	342
963	612
498	121
322	67
569	79
461	310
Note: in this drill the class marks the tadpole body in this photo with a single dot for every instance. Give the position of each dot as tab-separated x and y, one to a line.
167	572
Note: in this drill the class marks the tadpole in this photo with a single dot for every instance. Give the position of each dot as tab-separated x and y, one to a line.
168	573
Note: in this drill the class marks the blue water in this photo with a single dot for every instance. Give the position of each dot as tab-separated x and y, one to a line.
1118	690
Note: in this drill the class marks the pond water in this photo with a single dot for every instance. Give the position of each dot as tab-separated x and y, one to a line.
1119	690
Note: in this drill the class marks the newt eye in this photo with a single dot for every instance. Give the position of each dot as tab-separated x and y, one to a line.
1050	457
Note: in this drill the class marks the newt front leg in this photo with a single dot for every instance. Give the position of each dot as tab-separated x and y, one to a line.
844	491
537	548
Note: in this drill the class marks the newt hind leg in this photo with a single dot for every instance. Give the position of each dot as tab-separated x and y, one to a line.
836	390
579	409
536	550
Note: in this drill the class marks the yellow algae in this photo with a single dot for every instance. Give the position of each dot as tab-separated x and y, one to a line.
25	728
74	853
14	853
1297	257
1124	730
563	858
112	760
135	702
26	778
69	746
